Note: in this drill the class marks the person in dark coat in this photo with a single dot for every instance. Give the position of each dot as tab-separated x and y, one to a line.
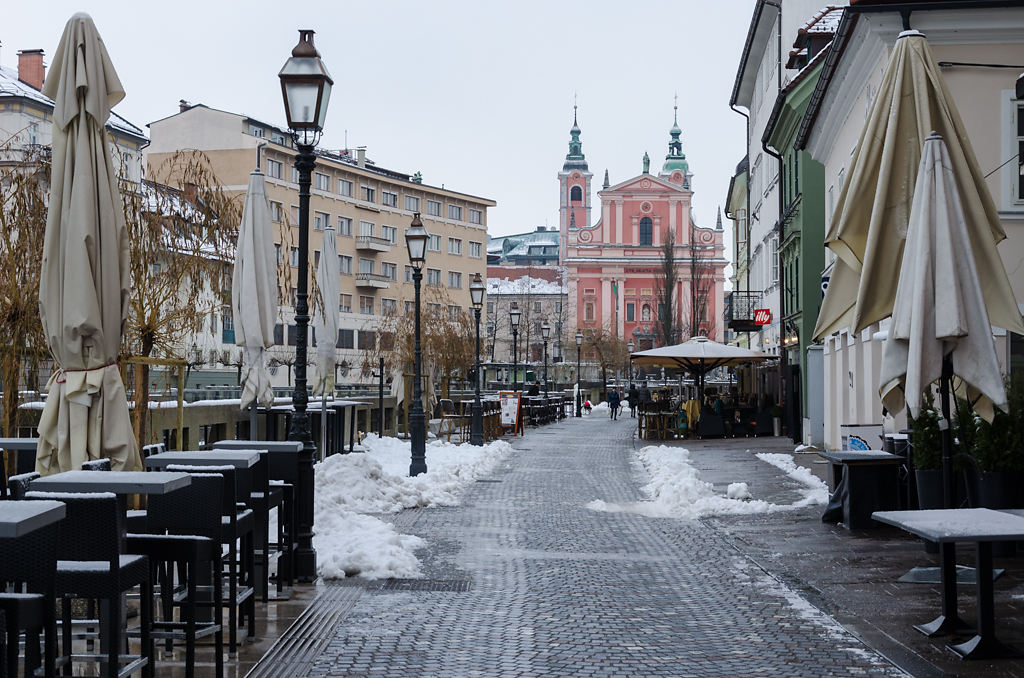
634	400
613	403
533	390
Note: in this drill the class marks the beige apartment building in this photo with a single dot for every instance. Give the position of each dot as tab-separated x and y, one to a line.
369	207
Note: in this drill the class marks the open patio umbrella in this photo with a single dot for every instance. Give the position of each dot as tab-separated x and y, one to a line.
325	324
940	325
254	293
84	286
870	220
698	356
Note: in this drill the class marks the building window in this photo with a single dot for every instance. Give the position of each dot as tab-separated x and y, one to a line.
434	243
366	228
276	212
434	276
389	270
365	305
454	246
455	212
293	258
1016	188
476	250
344	226
773	254
346	303
558	308
321	182
388	306
454	280
345	264
365	265
277	251
295	216
408	274
389	233
345	188
316	259
588	311
453	312
490	308
321	220
476	216
346	339
646	231
536	307
389	199
412	203
434	310
576	194
434	208
295	175
256	131
274	169
367	340
630	312
368	194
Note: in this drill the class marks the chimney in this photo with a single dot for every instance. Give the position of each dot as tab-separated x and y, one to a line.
183	105
31	70
361	156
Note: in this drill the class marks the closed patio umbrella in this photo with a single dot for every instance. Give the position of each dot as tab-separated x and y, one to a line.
325	323
254	294
869	223
940	325
84	287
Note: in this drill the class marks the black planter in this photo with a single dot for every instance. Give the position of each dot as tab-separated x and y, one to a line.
995	490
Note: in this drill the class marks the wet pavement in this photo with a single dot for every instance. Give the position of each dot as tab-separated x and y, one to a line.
522	579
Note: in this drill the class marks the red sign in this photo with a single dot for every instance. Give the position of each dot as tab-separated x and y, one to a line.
762	316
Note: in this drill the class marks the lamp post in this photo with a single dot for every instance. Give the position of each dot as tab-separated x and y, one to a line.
545	333
476	295
416	242
306	88
514	315
579	394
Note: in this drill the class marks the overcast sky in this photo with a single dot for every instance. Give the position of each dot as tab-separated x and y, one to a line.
476	95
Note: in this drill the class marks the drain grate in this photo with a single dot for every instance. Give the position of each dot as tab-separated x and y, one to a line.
487	480
434	585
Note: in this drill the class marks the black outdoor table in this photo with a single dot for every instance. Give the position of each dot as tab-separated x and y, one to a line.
25	463
240	459
871	480
947	527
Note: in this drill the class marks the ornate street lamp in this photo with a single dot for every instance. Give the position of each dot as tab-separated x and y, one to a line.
477	288
579	393
306	87
545	333
513	316
630	346
416	242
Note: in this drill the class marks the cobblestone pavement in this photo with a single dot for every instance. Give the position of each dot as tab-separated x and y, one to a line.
523	580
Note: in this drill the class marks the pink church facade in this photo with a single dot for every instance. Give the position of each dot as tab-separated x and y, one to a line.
614	264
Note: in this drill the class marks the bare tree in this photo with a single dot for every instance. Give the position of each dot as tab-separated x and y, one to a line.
608	350
181	230
667	281
699	321
24	179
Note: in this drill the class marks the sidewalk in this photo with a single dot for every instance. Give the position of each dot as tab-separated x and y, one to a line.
524	579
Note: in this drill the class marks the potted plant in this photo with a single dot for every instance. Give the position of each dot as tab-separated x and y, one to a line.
776	411
997	451
926	448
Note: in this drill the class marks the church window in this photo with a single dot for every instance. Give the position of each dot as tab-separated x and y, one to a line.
576	194
645	313
588	311
646	231
630	312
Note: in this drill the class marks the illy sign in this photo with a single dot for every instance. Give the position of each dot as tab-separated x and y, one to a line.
762	316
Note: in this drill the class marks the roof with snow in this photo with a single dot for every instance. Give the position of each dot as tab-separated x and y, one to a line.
825	21
524	285
11	86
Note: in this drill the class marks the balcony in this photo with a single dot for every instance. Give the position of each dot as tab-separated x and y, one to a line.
372	243
740	311
372	281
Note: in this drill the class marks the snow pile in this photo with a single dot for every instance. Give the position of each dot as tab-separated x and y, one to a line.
676	490
805	449
816	491
348	486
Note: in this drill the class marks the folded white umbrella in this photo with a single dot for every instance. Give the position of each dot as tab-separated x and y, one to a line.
84	288
869	224
326	322
939	309
254	293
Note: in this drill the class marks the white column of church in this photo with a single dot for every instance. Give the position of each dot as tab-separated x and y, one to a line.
618	212
607	307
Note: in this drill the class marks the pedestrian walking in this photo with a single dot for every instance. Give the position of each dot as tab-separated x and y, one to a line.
634	400
613	403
